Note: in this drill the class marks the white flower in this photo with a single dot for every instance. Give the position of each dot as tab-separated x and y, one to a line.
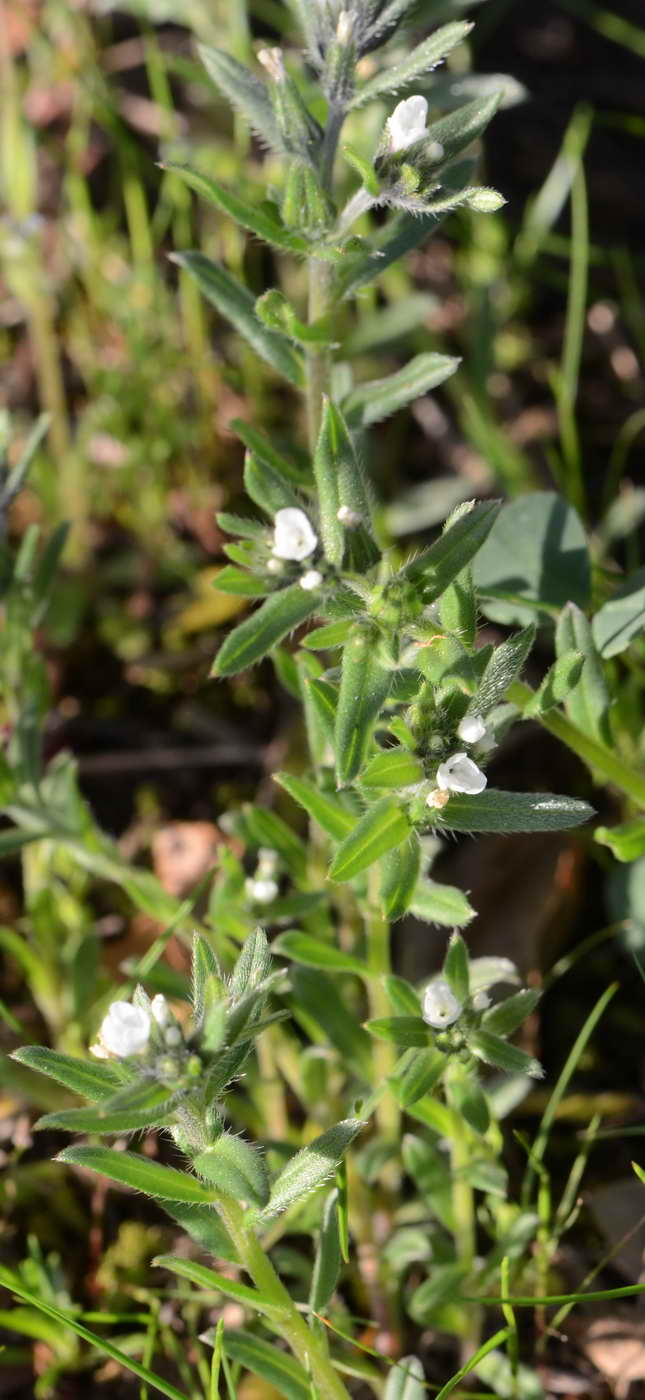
407	123
293	536
160	1010
262	891
312	579
348	517
471	729
460	774
440	1005
481	1001
125	1030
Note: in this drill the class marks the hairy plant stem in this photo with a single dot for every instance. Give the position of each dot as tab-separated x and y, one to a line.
318	357
465	1223
308	1348
596	755
377	936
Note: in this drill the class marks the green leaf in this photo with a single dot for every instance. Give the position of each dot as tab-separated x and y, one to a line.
236	303
209	1279
204	1227
206	980
162	1183
294	472
252	967
422	59
270	490
304	948
233	580
333	634
327	811
317	1006
364	686
455	968
402	996
513	811
278	615
399	876
258	218
505	1018
495	1051
327	1263
587	703
627	841
409	1031
379	398
502	668
437	566
156	1109
420	1075
235	1167
94	1081
340	482
311	1166
560	679
275	1366
266	828
240	525
622	619
406	1380
394	768
382	827
456	130
245	92
466	1096
441	904
537	550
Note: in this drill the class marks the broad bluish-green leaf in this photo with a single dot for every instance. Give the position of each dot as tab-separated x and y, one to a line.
444	905
254	638
536	551
235	1167
274	1365
246	93
622	619
379	398
495	1051
507	1016
327	811
312	1166
313	952
382	827
236	303
162	1183
421	59
406	1380
94	1081
587	703
393	768
437	566
263	221
455	967
409	1031
503	667
364	686
328	1258
513	811
399	875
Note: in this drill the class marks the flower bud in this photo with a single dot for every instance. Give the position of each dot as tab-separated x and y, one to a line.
262	891
124	1031
293	535
481	1001
437	798
471	729
160	1010
351	519
311	580
407	124
440	1005
485	200
460	774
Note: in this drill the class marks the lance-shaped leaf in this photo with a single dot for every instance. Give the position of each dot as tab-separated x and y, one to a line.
245	93
505	1018
209	1279
237	581
380	829
468	1100
332	634
394	768
266	828
378	398
260	219
587	702
409	1031
560	679
252	967
513	811
282	1372
364	686
312	1166
340	483
495	1051
267	487
504	666
278	615
437	566
626	842
327	811
139	1106
456	130
440	904
399	875
328	1257
203	1226
422	59
236	303
235	1167
94	1081
315	1000
162	1183
206	981
313	952
455	968
294	472
422	1070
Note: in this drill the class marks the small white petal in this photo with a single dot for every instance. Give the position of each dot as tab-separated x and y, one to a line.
471	729
311	580
407	123
481	1001
125	1030
160	1010
440	1005
262	891
293	536
460	774
351	519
